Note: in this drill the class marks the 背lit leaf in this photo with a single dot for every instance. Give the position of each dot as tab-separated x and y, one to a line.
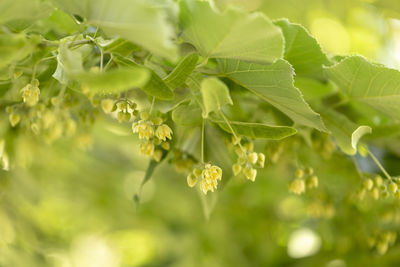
185	67
230	34
215	95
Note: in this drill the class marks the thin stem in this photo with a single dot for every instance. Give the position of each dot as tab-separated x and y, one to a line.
230	128
202	141
378	164
101	59
152	105
95	34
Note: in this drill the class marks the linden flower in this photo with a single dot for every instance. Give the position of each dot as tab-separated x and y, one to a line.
163	132
297	186
30	94
210	177
144	128
147	149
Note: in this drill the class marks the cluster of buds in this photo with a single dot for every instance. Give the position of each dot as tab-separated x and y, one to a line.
379	188
125	108
382	241
319	209
209	176
155	135
183	161
324	144
30	93
304	178
248	160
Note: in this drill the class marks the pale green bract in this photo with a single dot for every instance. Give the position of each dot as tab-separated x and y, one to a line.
215	95
274	84
346	133
230	34
368	83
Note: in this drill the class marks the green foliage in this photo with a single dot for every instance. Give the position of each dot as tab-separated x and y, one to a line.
111	101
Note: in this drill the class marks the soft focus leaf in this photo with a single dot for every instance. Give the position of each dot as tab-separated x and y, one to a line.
68	61
115	80
142	22
215	95
274	84
156	87
230	34
187	115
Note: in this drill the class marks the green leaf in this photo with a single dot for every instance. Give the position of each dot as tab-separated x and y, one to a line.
156	87
313	89
302	50
184	68
115	80
143	22
23	9
231	34
215	95
257	130
68	61
149	173
187	115
274	84
368	83
13	47
346	133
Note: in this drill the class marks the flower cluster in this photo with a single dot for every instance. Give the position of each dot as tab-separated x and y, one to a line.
379	188
124	108
30	93
382	241
209	176
248	160
304	179
155	135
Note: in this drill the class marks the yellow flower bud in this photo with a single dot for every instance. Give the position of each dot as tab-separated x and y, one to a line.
261	160
120	116
235	140
392	187
157	121
250	173
375	193
368	184
378	180
297	186
252	157
309	171
165	145
147	149
249	146
107	105
197	172
157	155
299	173
14	119
236	168
312	182
163	132
144	115
192	180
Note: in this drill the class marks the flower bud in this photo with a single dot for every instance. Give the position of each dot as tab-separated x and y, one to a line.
252	157
157	155
299	173
144	115
236	168
107	105
250	173
392	187
14	119
312	182
197	171
192	179
261	160
297	186
165	145
368	184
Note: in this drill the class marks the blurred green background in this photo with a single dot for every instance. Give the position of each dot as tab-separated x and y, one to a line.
71	203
